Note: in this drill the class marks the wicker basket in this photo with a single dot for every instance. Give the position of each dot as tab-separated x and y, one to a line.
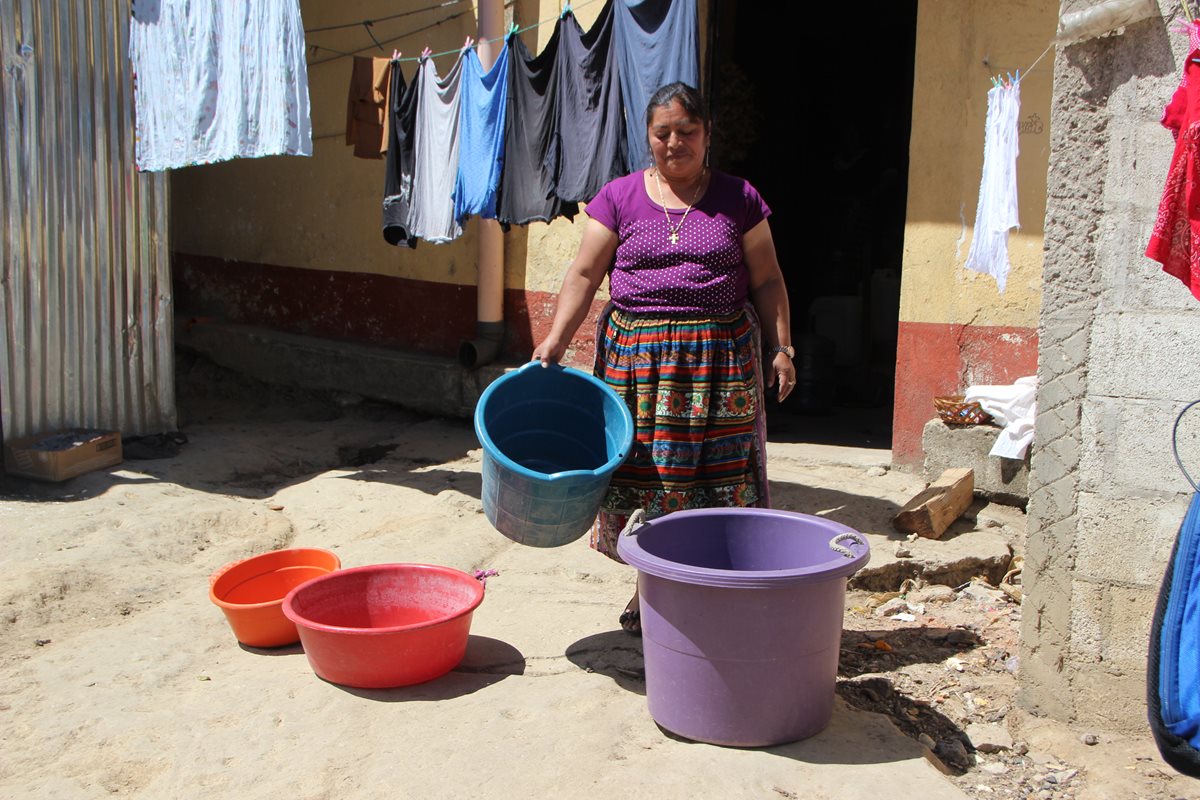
954	411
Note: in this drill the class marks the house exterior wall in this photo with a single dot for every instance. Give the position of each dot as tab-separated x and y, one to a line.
1118	339
955	328
296	243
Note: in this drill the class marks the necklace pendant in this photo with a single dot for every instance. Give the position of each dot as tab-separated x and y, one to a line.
674	238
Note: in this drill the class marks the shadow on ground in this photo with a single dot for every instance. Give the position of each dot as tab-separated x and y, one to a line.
913	718
262	435
848	739
615	654
865	652
861	512
488	661
286	650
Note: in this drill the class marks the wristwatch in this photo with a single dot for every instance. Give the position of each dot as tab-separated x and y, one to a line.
786	349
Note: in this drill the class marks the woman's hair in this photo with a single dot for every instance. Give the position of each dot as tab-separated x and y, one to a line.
688	97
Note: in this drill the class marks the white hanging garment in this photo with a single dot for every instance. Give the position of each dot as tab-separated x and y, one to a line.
218	80
996	213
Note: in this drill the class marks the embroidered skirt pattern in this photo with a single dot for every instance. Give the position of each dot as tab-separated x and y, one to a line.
693	389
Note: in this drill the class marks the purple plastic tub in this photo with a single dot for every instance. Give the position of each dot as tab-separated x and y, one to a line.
742	620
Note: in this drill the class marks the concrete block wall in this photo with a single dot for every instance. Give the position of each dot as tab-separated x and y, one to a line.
1117	360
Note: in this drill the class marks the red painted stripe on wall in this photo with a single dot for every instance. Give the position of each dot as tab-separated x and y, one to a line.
420	316
935	359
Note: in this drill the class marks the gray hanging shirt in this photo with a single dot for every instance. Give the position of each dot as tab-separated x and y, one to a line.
436	164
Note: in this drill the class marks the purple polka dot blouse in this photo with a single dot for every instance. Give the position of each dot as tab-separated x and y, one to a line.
703	272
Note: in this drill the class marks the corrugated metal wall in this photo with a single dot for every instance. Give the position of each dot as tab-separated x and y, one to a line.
86	328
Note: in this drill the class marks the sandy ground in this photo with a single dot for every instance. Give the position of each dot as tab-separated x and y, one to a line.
118	677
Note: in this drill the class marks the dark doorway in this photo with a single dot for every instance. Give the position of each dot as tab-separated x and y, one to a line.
819	122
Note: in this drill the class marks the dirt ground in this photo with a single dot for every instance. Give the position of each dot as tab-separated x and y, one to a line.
948	679
118	678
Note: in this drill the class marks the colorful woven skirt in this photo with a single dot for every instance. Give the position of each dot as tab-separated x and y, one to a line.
693	387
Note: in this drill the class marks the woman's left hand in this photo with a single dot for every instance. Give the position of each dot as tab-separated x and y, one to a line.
783	372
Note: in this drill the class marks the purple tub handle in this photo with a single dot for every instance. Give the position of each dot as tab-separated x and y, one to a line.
841	537
636	520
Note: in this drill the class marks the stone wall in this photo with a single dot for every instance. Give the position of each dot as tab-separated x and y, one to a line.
1117	360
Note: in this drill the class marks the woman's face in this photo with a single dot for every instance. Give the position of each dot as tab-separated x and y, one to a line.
678	141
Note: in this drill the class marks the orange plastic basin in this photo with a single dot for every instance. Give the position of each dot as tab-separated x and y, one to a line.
385	625
251	592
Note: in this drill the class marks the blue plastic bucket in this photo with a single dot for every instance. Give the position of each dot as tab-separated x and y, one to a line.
742	620
552	438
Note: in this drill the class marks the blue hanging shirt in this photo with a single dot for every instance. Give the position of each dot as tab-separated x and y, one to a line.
657	43
481	136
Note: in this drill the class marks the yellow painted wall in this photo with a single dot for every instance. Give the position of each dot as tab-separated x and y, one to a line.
960	45
324	212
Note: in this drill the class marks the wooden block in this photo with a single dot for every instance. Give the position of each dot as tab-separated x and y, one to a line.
932	511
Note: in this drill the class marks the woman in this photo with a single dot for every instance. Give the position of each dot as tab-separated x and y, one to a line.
685	248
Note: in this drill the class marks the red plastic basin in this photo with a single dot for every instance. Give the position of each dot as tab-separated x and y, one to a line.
251	592
385	625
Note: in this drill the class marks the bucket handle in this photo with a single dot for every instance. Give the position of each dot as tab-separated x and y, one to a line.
847	536
482	575
636	520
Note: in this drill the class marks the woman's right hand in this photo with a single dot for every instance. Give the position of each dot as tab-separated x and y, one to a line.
596	251
550	351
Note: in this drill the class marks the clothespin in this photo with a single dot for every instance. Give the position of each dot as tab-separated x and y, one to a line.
467	44
395	55
426	53
1010	78
512	29
566	9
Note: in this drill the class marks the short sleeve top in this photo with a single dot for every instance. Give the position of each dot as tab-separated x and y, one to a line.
702	273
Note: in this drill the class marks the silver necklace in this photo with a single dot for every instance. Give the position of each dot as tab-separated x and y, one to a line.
673	231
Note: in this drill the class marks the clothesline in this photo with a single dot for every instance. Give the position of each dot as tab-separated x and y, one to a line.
455	51
998	80
377	43
1038	60
366	23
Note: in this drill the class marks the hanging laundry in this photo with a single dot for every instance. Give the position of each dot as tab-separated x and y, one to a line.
996	213
481	136
215	81
1174	113
366	107
398	174
527	182
1175	239
436	154
657	43
589	146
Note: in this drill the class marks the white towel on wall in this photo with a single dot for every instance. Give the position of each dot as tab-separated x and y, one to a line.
1014	407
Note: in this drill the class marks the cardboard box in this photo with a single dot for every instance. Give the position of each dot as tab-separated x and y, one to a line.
62	454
